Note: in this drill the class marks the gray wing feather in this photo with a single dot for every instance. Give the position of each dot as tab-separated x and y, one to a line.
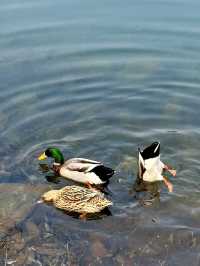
80	164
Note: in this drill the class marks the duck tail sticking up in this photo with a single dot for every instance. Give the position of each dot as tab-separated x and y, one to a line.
149	154
103	172
151	151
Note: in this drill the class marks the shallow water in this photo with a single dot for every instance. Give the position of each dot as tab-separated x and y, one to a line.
99	79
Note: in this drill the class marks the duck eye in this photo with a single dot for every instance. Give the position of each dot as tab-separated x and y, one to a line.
48	152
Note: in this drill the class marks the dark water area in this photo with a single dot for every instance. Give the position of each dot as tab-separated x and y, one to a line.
98	79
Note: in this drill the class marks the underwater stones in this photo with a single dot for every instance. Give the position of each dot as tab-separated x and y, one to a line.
32	231
16	200
124	260
49	249
98	249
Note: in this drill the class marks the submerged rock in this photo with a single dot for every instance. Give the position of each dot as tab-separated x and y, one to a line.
16	200
98	249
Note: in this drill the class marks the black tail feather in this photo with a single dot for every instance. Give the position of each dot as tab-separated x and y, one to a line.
103	172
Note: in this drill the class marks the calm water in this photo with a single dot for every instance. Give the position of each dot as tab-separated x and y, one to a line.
98	79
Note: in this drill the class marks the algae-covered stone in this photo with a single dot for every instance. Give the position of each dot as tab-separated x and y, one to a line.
16	200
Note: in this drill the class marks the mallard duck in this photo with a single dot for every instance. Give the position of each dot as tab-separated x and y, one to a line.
150	167
77	199
78	169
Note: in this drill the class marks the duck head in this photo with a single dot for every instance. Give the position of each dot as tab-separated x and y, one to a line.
52	153
50	196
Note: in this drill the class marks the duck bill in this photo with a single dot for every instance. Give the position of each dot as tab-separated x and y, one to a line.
42	157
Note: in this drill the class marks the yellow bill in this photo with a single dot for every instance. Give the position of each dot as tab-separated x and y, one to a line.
42	157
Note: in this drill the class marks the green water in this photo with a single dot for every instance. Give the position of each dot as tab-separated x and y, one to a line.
98	79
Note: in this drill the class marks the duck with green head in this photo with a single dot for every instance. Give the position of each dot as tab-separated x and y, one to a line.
78	169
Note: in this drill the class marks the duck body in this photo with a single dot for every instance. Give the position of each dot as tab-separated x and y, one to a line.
150	167
86	171
81	170
77	199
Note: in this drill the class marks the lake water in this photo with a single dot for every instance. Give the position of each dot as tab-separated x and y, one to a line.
98	79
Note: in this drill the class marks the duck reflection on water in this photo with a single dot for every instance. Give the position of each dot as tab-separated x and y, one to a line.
50	176
147	192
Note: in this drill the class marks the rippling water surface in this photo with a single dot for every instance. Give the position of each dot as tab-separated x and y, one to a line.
98	79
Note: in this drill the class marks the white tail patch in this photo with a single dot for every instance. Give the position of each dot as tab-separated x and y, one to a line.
156	148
